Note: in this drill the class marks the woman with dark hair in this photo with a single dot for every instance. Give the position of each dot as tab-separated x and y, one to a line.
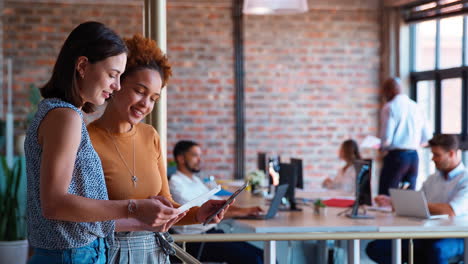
344	180
132	156
69	213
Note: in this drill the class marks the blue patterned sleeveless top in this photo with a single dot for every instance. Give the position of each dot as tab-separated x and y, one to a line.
87	181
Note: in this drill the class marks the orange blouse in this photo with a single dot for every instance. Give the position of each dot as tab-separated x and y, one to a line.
141	147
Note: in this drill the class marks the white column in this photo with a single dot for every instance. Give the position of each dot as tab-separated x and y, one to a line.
269	252
354	250
155	28
396	251
161	118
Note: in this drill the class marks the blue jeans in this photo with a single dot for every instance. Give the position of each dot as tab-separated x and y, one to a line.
398	166
426	251
93	253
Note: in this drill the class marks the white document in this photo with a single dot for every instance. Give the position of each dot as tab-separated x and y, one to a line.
199	200
371	142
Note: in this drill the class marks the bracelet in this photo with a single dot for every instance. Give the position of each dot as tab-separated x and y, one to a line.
132	207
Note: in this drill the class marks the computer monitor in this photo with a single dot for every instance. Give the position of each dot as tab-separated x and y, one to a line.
300	179
363	188
288	175
363	181
262	163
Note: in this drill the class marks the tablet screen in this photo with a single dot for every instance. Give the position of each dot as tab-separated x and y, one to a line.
229	200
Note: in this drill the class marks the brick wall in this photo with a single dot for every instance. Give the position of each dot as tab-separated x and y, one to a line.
311	82
200	96
311	79
34	32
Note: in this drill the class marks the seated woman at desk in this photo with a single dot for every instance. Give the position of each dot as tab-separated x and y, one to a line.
344	180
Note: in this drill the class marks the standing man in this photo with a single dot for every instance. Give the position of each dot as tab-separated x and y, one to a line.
403	130
185	185
447	193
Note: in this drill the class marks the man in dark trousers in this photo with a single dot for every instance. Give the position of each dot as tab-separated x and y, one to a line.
403	129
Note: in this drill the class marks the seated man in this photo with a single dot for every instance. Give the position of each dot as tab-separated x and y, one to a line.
185	186
447	193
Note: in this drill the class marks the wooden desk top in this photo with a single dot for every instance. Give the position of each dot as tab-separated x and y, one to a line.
307	221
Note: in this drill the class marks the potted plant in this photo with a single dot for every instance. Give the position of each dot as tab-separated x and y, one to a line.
13	243
256	179
30	110
171	167
319	207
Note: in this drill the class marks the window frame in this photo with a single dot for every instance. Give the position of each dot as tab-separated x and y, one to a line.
438	75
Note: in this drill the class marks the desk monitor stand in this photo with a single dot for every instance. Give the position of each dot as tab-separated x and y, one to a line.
293	207
355	213
289	206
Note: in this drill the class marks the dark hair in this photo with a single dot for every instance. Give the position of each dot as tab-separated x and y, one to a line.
391	87
445	141
182	147
350	150
91	39
144	53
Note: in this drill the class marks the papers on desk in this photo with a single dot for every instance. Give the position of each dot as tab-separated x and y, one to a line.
223	192
371	142
231	183
386	209
199	200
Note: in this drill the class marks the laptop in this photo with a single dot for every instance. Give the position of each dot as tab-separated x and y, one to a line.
412	203
275	203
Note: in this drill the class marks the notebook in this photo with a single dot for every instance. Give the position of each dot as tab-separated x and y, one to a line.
275	203
411	203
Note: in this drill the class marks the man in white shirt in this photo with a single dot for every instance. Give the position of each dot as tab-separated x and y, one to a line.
185	185
403	129
447	193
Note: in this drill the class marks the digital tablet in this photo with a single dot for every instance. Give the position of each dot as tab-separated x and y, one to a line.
228	201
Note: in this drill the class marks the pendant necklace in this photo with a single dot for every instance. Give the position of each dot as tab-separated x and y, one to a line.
134	178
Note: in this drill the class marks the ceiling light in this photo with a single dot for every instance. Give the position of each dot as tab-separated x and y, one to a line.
274	7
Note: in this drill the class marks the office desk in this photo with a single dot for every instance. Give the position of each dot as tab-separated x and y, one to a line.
307	226
385	225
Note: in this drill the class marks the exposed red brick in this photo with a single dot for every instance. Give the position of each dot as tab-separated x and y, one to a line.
311	79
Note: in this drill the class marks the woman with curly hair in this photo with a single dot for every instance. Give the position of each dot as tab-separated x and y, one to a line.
131	155
69	214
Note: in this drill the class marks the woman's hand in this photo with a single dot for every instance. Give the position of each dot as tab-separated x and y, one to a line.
235	211
133	224
155	212
165	227
327	183
256	210
248	211
209	208
383	200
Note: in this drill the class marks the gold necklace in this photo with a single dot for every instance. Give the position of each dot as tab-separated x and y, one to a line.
132	172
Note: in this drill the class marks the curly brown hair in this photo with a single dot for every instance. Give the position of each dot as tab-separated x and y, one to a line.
144	53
